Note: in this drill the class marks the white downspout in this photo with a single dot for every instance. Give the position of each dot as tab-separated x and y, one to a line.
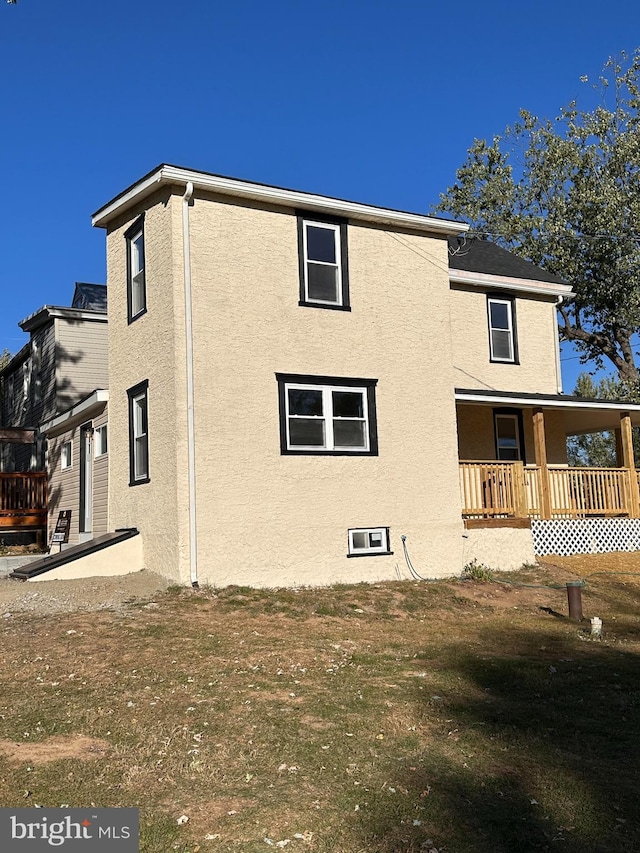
191	431
559	301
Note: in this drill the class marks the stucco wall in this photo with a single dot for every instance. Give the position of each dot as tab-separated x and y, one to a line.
476	436
537	342
150	348
268	519
499	548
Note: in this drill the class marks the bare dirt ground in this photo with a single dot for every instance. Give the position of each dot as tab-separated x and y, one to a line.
67	596
112	593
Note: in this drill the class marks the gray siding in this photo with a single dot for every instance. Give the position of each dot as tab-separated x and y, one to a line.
81	360
64	486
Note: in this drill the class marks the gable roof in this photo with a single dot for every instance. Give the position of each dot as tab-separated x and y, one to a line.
177	176
90	297
475	255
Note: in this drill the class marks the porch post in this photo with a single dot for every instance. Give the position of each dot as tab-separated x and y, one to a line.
540	449
629	463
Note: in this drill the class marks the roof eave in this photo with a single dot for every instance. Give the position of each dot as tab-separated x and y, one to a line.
51	312
177	176
487	280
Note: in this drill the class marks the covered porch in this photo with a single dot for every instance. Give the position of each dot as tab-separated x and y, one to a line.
23	494
513	459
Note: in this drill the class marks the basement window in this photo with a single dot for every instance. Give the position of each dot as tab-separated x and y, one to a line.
367	541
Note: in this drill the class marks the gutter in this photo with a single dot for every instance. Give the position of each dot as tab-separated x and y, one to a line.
191	432
295	199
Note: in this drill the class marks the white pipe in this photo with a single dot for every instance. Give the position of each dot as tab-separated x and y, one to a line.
559	302
191	431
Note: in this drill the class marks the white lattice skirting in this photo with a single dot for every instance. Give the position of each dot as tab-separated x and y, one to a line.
585	535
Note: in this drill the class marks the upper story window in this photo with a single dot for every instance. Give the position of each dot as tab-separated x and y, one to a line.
136	287
324	276
502	329
327	414
139	434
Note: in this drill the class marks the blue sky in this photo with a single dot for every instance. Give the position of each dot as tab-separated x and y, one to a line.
371	100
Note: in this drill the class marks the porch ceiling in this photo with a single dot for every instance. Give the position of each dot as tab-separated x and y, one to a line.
581	415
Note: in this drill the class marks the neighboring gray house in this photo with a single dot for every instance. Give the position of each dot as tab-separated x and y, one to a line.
64	360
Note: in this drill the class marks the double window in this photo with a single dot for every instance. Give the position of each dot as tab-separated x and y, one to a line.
136	287
324	275
502	329
327	414
139	434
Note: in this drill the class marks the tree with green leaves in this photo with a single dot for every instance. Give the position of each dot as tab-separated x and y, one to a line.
5	358
598	449
564	193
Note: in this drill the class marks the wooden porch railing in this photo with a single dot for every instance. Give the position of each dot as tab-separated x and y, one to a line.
23	499
511	490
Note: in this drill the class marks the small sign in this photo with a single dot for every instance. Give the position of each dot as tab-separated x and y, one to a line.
63	527
112	830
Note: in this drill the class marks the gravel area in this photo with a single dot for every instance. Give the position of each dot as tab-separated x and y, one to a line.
85	594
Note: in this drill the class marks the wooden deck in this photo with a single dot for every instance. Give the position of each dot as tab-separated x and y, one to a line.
491	490
23	501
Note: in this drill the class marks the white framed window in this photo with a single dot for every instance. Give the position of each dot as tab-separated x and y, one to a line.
502	338
66	455
327	415
508	437
368	540
100	446
323	263
136	284
138	434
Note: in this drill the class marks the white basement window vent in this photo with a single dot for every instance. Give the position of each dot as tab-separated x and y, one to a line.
366	541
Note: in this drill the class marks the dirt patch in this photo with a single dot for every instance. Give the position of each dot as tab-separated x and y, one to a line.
82	594
80	747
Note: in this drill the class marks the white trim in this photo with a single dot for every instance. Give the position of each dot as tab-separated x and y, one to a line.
66	465
495	300
258	192
383	548
327	418
479	279
76	411
49	312
337	265
102	429
547	402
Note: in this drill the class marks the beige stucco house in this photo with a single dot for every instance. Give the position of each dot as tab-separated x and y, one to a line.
307	390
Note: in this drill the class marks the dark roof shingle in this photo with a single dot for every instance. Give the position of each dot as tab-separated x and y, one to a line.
474	255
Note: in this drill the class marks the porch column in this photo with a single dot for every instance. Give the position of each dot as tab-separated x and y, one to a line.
629	463
540	450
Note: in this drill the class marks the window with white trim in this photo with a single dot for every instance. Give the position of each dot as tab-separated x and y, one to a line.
327	415
66	455
323	263
502	338
100	444
136	285
365	541
507	428
138	434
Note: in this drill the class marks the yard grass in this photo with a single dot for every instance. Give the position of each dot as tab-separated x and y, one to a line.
455	716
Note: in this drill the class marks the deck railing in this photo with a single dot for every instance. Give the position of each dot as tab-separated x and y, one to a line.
23	499
513	490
